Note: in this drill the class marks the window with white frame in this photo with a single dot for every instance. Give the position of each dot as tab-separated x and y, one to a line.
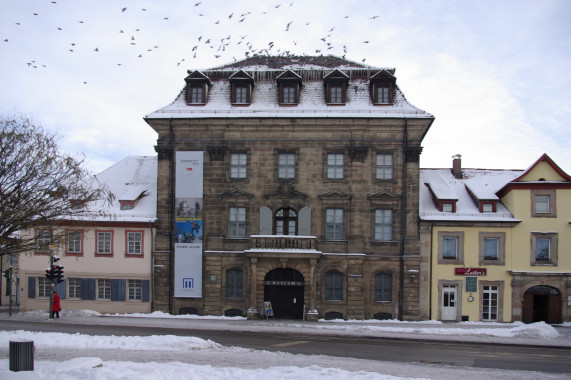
44	287
238	165
333	285
286	165
383	287
135	290
134	243
74	288
542	204
43	240
74	242
487	207
334	224
335	166
237	222
490	303
103	289
104	243
384	166
383	225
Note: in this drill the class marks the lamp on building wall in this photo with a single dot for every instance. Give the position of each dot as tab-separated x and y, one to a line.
413	273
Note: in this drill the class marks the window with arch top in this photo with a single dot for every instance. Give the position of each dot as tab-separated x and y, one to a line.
285	222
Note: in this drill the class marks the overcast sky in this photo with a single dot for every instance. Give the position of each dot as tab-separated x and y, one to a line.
495	74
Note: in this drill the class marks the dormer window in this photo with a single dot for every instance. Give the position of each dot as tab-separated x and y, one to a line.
241	84
127	205
336	87
487	207
289	85
382	86
447	207
197	85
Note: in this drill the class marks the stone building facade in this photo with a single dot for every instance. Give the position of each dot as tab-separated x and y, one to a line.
310	191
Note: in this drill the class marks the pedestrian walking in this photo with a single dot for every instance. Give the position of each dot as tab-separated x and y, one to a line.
56	307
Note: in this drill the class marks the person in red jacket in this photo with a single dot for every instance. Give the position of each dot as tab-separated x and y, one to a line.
56	308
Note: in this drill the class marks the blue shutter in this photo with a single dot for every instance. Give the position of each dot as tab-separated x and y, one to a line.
145	295
62	289
31	287
117	290
87	288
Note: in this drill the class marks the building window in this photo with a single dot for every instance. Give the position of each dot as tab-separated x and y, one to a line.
237	222
74	242
127	205
234	283
135	290
383	95
492	248
134	243
103	289
241	95
286	165
238	162
487	207
44	287
384	166
383	225
335	94
334	224
335	166
333	286
74	288
43	240
196	95
447	207
288	95
383	287
543	248
451	248
104	243
543	203
285	222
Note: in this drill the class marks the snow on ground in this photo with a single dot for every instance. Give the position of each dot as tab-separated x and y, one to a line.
79	356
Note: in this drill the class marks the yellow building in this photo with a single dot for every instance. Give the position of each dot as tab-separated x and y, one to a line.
497	243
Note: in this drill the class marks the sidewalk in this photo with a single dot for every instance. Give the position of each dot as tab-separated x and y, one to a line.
537	334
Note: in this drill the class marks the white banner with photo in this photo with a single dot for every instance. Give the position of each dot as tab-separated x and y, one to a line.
188	225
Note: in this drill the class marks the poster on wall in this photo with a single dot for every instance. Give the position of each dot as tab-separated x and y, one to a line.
188	225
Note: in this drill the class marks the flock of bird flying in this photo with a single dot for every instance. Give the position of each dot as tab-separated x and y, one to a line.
207	44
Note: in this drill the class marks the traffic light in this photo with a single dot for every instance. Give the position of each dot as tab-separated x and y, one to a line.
7	273
50	273
58	273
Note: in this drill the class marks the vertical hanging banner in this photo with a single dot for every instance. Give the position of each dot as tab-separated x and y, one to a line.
188	225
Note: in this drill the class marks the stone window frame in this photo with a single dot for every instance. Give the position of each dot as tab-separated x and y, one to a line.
343	286
459	296
500	285
553	245
501	236
277	154
459	235
381	224
231	166
343	225
551	193
326	166
374	287
225	283
237	222
376	166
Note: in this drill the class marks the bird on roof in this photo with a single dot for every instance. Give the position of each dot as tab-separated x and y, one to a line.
124	9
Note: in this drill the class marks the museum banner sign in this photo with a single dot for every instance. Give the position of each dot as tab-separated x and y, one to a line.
188	224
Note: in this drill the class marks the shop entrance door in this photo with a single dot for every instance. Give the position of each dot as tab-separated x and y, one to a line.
449	308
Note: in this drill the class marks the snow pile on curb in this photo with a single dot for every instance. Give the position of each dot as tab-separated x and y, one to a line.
81	341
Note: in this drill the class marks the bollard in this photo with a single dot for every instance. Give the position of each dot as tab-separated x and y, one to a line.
21	355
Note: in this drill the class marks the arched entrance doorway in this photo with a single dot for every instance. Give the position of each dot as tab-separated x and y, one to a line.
542	303
283	287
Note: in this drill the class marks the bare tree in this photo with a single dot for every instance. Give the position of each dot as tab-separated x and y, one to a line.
40	187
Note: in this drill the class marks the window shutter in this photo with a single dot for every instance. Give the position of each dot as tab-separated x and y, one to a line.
87	288
265	221
304	218
232	94
117	290
61	289
145	290
31	287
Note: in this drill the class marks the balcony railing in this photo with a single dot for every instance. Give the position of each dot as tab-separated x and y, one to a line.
283	242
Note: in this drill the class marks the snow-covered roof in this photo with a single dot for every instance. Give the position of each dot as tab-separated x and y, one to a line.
483	183
134	178
264	99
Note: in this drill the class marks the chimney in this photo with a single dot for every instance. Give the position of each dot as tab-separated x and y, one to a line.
457	166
